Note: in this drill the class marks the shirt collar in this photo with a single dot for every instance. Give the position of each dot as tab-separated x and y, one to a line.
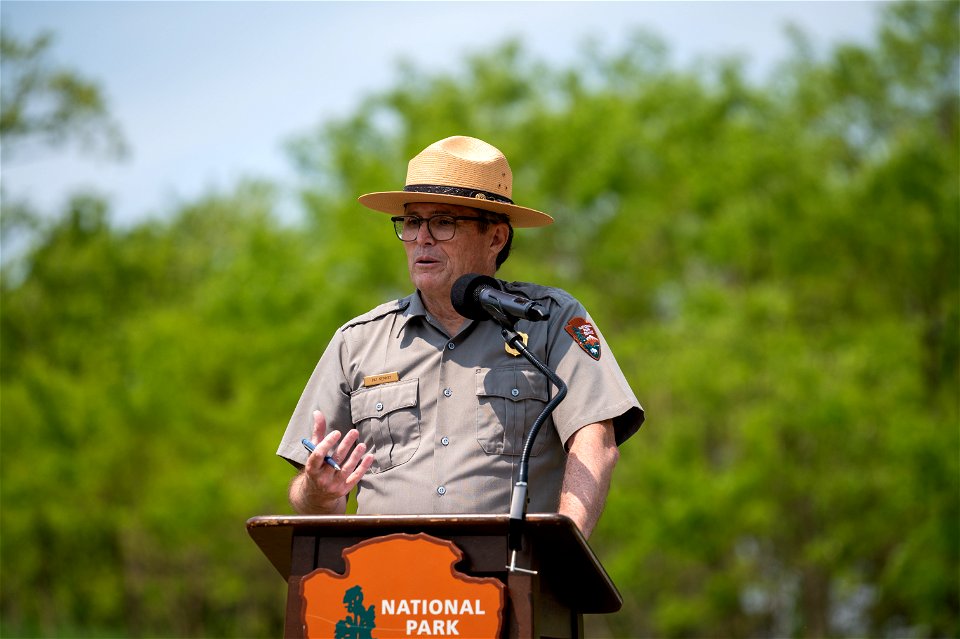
411	306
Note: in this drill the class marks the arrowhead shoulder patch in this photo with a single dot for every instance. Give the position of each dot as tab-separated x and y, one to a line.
585	335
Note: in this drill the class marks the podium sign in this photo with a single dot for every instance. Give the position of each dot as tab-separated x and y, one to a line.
338	569
401	585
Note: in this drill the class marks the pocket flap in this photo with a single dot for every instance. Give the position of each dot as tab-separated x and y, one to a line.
514	383
382	400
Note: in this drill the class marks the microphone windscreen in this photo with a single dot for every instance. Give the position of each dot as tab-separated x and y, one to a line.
464	295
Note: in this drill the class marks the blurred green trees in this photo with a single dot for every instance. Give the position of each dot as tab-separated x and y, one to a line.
45	104
775	264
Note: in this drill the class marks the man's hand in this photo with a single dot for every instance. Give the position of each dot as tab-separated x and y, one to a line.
321	489
591	457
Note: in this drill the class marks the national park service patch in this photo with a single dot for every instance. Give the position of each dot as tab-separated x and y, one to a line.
585	335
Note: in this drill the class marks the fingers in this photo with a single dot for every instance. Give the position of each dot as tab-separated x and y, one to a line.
365	463
347	444
324	441
358	463
319	425
356	457
345	450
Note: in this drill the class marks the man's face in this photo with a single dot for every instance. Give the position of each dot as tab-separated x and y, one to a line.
434	266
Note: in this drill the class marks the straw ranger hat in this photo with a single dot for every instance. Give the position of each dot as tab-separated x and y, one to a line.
459	170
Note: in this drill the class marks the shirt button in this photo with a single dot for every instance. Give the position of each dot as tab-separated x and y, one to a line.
441	490
445	441
515	392
379	406
451	345
447	392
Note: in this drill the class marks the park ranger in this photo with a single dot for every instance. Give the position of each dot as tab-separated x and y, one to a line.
425	411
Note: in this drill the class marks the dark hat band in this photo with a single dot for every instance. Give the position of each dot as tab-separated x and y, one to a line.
439	189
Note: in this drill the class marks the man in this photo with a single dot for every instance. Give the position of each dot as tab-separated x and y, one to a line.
426	411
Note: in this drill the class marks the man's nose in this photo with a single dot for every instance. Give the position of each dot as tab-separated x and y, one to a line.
423	234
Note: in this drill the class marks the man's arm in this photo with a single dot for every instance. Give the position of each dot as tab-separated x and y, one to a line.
592	454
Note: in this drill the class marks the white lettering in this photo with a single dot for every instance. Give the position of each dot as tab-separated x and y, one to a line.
431	606
433	628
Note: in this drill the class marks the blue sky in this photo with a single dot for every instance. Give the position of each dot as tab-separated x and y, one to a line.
208	92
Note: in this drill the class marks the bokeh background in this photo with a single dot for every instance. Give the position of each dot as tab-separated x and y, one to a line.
767	234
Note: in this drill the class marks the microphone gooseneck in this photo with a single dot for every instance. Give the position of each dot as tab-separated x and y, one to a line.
481	297
518	503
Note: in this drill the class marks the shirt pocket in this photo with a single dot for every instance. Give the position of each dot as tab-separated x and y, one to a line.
387	417
509	400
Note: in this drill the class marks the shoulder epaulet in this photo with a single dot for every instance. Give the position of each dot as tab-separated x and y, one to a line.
387	308
539	292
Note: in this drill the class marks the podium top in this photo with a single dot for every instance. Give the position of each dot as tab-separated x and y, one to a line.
565	559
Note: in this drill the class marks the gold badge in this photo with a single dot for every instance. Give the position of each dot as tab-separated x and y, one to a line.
513	351
382	378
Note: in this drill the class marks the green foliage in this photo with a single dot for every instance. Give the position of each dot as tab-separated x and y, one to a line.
775	266
50	104
133	401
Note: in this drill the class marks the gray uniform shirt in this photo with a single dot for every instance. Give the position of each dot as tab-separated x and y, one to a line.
448	429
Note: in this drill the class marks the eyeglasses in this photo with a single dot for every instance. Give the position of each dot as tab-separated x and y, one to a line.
440	227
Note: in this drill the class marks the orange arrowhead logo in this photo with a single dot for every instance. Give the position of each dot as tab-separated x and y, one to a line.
401	586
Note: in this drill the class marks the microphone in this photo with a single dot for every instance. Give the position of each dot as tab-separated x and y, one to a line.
481	297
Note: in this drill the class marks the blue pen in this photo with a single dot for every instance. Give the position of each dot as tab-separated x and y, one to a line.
327	459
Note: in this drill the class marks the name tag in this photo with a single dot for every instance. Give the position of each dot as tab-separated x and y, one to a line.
382	378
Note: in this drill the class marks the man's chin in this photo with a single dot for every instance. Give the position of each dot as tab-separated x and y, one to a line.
431	282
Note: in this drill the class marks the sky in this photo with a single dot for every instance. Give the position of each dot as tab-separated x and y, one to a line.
208	93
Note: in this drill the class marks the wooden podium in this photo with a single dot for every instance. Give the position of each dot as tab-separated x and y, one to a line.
568	583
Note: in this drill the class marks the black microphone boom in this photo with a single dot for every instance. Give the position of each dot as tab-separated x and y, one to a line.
481	297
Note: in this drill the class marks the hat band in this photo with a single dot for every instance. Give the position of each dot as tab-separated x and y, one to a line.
439	189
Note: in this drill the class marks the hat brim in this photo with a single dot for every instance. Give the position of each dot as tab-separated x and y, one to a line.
392	203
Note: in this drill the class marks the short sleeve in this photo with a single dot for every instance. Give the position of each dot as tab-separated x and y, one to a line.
327	390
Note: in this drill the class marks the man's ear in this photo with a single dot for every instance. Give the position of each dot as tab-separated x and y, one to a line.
499	237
